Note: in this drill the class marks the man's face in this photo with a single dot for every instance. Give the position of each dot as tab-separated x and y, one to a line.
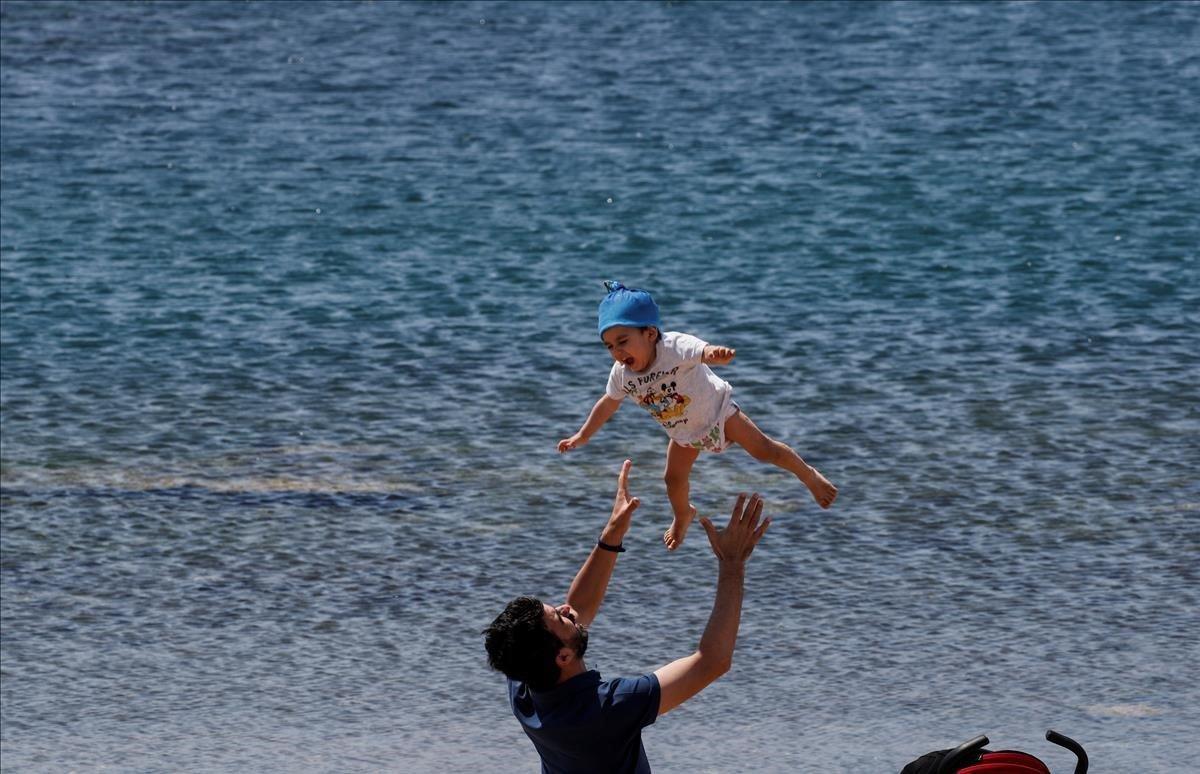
561	623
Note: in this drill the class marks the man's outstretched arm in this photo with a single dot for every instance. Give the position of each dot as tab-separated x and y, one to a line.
587	590
682	679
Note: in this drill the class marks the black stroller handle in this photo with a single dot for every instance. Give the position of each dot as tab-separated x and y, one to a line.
1081	764
950	762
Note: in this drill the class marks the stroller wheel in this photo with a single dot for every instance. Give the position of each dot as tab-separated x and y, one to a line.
1019	761
973	757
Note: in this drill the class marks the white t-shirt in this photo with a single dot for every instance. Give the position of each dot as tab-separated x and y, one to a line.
678	390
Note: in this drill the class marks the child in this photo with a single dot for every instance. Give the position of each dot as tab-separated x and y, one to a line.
668	374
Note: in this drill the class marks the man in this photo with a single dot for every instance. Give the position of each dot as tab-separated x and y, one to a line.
578	721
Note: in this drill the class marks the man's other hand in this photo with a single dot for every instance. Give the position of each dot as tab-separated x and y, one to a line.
737	540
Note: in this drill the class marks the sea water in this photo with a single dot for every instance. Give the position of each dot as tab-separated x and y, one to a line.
299	297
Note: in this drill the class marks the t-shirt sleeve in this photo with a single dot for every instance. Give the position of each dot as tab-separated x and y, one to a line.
635	700
689	348
615	389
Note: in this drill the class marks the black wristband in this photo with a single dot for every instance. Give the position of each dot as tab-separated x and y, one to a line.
607	547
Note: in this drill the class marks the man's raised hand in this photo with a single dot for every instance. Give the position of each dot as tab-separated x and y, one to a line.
623	504
737	540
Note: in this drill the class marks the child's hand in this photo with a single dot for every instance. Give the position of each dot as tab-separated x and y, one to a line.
718	355
574	442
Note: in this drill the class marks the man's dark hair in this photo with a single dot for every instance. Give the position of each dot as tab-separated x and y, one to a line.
519	644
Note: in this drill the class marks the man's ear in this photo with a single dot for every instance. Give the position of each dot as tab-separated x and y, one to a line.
564	657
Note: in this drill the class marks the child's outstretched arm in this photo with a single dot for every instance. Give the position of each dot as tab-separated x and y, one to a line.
604	408
714	355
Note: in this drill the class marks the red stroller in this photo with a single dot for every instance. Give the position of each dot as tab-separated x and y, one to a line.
971	758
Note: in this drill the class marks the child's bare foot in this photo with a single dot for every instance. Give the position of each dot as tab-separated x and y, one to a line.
679	527
822	490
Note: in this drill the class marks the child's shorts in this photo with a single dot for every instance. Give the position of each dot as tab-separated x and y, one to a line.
713	439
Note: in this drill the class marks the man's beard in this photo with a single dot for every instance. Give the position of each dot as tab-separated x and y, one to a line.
580	642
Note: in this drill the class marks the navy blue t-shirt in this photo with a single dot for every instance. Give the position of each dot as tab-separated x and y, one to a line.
588	725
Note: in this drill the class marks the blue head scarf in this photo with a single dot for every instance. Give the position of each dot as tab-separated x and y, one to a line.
627	306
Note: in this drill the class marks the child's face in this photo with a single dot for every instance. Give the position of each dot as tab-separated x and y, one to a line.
632	346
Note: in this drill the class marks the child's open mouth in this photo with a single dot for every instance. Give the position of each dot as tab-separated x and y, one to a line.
629	361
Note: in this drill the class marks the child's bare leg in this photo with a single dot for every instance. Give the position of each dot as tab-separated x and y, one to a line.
679	471
740	430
